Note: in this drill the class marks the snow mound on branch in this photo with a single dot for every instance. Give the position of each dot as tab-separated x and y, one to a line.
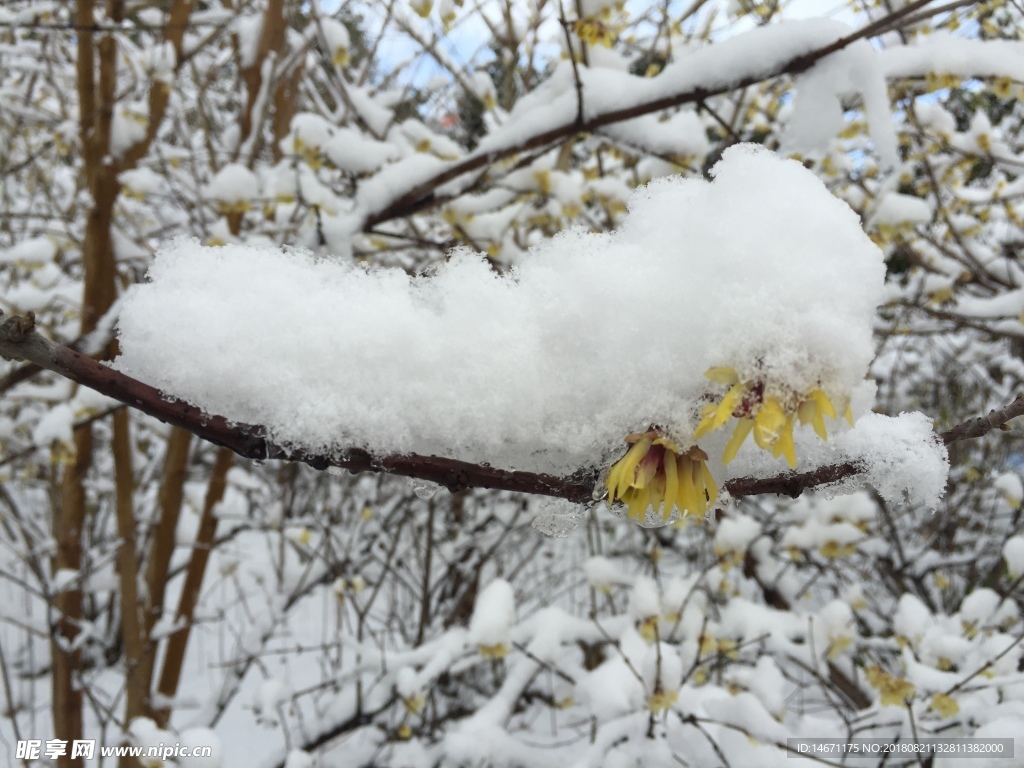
546	369
902	457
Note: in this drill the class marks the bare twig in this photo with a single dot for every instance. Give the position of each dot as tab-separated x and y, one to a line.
982	425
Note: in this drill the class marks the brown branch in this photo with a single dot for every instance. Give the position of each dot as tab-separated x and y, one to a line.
982	425
19	340
174	656
132	617
271	42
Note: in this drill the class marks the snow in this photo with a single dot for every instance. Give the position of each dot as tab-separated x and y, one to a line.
603	573
271	695
682	133
296	758
139	182
735	533
55	426
662	668
128	126
406	683
369	108
337	39
65	579
901	457
817	109
1013	554
493	614
895	209
199	737
1010	488
145	733
644	600
30	252
817	536
233	183
945	53
980	606
248	30
351	150
912	618
765	681
593	336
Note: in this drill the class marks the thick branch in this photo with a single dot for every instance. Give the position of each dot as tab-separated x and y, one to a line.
19	340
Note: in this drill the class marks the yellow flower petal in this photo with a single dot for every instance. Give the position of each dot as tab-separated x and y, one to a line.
945	705
722	375
706	425
709	484
687	493
807	411
725	408
819	426
669	445
612	482
633	508
743	427
824	404
784	444
646	471
671	483
768	423
629	464
700	499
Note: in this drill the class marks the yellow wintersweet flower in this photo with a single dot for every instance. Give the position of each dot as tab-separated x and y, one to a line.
656	473
838	645
594	32
340	56
834	550
496	651
728	648
945	705
662	700
770	417
414	703
893	691
813	410
1003	87
649	629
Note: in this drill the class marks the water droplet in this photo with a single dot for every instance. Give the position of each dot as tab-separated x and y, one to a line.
558	518
424	489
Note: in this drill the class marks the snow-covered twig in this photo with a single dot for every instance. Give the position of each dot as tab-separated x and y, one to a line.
19	340
421	193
